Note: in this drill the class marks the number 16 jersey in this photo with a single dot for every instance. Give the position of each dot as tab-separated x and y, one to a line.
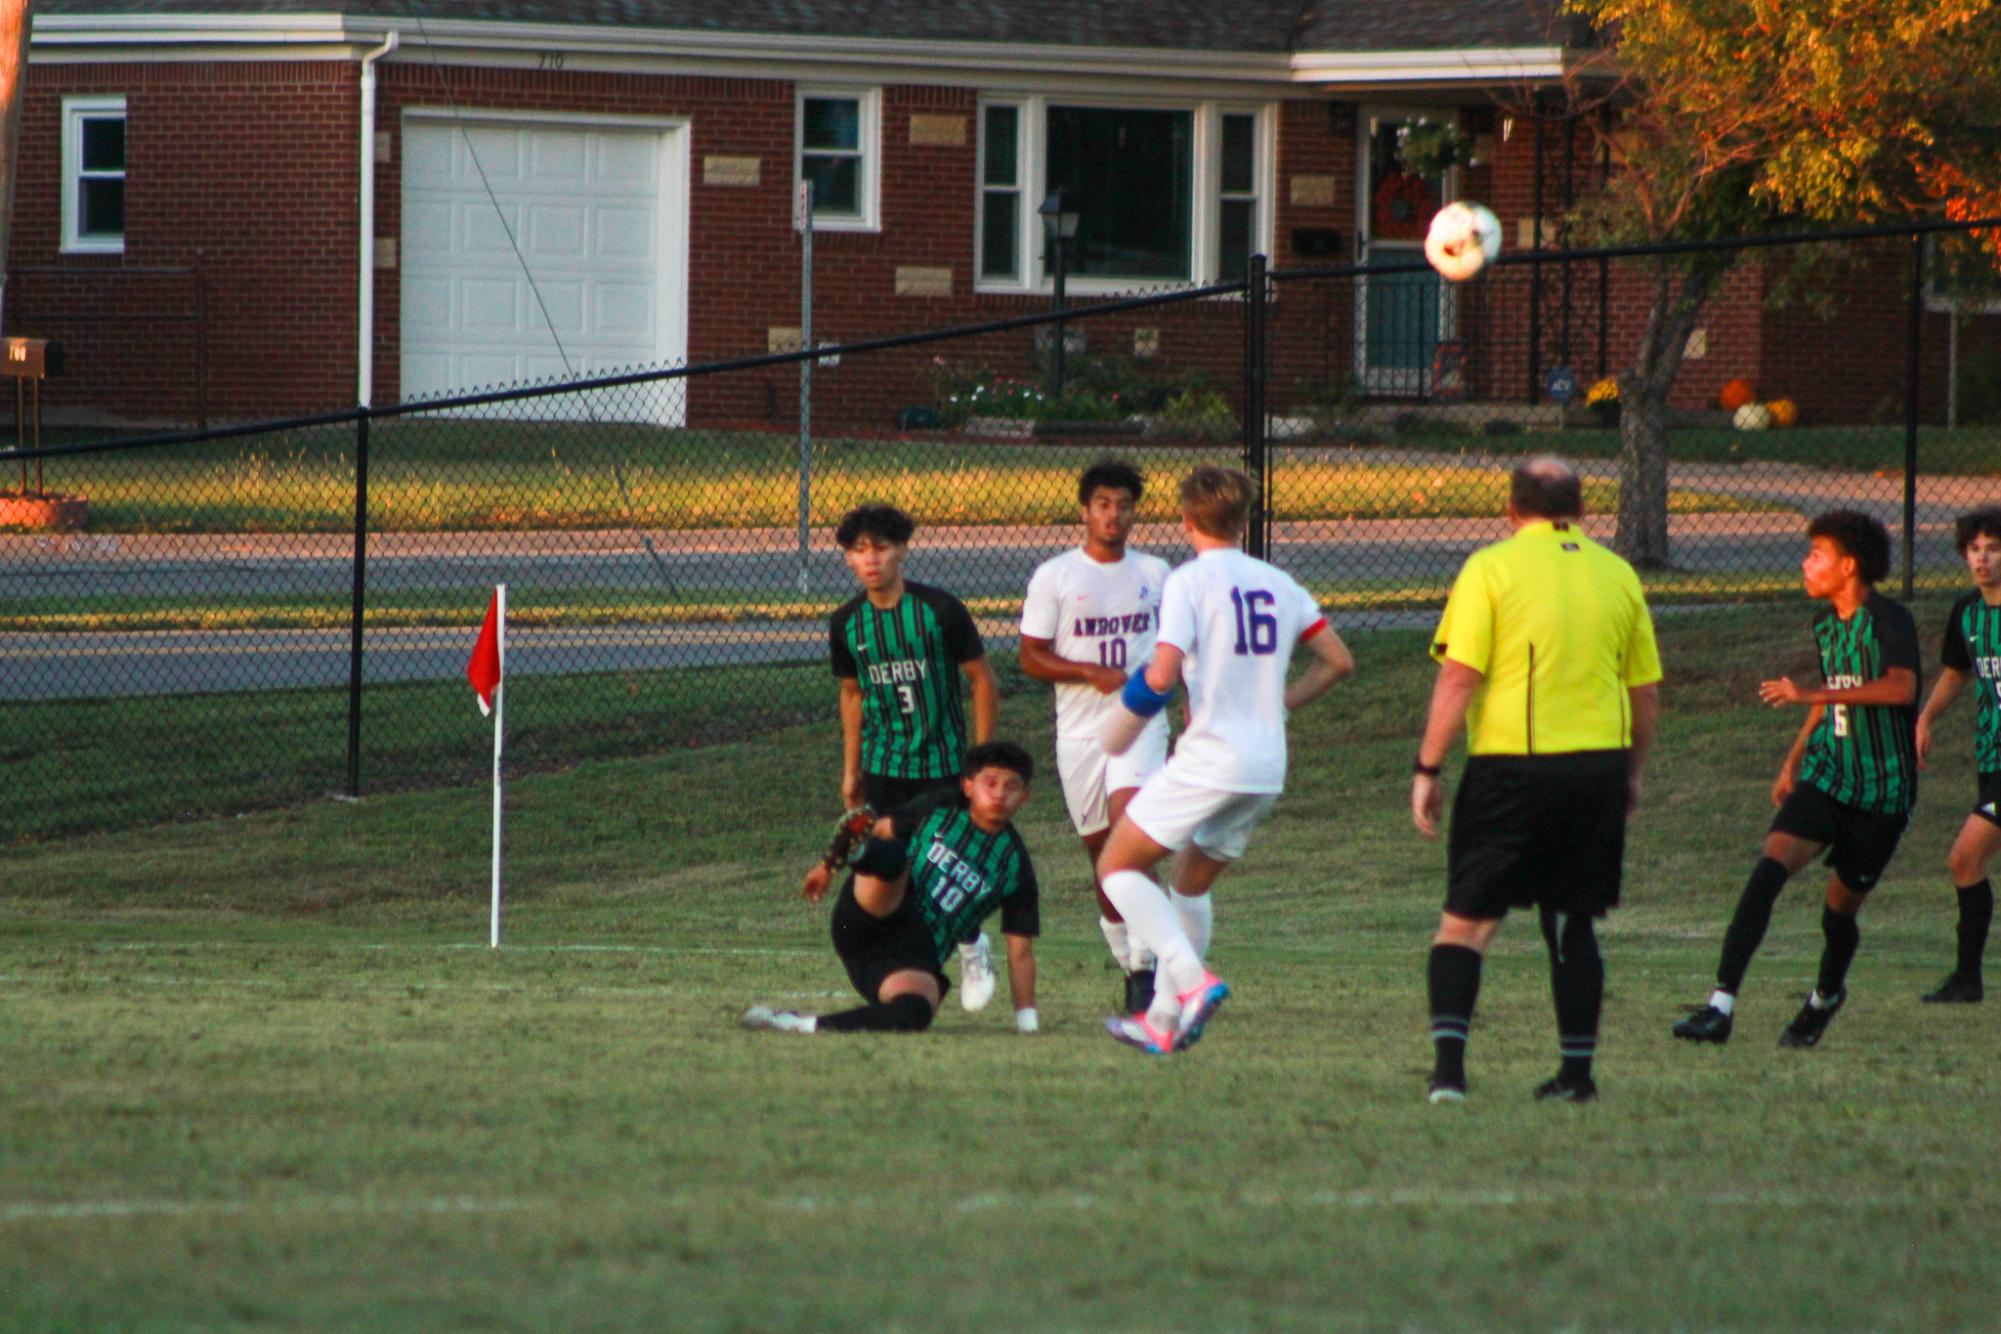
1095	612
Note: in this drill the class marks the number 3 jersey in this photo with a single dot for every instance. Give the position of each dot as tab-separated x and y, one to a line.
1973	646
1865	755
1237	619
1095	612
959	873
907	661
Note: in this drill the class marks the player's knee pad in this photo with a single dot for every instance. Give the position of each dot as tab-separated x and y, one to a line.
882	858
910	1013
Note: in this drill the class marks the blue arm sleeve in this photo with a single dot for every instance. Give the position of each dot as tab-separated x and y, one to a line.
1142	699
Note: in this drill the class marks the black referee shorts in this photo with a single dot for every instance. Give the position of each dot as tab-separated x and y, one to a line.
1859	843
1988	804
871	947
1548	830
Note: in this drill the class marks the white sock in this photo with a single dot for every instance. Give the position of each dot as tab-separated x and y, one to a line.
1152	919
1198	918
1118	940
1723	1001
1818	1001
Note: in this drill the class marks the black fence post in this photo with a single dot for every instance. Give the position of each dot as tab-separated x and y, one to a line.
1911	368
1257	539
360	601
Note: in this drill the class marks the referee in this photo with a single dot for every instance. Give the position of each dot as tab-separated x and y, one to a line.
1546	655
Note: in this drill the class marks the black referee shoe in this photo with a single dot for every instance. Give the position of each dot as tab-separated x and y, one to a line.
1139	991
1811	1022
1556	1090
1707	1024
1957	989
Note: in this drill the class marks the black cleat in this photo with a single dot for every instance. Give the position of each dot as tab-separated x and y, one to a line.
1707	1024
1958	989
1139	991
1811	1022
1560	1090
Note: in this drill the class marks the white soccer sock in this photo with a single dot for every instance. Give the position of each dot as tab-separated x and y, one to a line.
1198	918
1152	920
1723	1001
1118	940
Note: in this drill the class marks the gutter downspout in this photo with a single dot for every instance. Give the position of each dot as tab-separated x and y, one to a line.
364	377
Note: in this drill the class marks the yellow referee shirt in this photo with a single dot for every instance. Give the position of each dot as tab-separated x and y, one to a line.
1559	629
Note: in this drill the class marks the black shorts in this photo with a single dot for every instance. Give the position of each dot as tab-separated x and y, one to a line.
1859	843
871	948
1538	829
887	794
1987	805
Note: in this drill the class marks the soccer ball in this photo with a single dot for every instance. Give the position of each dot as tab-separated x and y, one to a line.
1752	417
1463	237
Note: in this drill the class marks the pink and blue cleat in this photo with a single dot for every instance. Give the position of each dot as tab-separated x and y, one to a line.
1136	1032
1198	1007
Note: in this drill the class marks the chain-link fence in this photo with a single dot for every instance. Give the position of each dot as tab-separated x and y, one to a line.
250	616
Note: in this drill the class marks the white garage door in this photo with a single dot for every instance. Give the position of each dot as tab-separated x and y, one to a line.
586	213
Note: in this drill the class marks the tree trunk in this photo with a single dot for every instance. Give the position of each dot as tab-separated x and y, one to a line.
15	21
1642	535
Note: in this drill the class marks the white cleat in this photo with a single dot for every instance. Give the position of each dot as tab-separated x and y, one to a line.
763	1017
976	973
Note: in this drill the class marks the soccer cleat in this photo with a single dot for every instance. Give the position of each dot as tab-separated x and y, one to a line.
1445	1093
1707	1024
976	973
764	1018
1139	991
1957	989
850	832
1198	1007
1561	1090
1811	1022
1135	1031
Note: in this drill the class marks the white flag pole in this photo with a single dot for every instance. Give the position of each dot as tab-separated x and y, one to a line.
499	738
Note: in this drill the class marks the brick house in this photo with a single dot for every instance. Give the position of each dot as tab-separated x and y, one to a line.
221	203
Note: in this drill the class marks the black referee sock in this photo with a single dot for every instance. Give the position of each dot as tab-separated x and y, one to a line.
1453	979
1976	912
1748	923
1577	981
1844	937
905	1014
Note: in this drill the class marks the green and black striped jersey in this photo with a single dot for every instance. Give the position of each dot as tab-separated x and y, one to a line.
907	660
960	873
1865	755
1973	646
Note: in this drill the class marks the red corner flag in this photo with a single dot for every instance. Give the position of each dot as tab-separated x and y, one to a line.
484	668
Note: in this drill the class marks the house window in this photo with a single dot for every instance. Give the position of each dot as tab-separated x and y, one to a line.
1162	194
94	174
837	153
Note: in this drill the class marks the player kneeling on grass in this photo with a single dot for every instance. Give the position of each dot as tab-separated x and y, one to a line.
1848	782
1973	652
1228	625
920	880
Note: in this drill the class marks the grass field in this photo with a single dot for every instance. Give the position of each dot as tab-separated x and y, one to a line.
261	1072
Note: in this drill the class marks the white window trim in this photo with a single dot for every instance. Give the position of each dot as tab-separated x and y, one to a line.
1205	222
76	110
869	139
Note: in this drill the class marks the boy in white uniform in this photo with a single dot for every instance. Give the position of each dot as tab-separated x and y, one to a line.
1090	614
1228	625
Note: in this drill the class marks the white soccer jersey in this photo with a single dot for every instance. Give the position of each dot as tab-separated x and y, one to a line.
1237	619
1092	612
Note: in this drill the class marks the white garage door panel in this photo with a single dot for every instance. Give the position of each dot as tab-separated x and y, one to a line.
585	208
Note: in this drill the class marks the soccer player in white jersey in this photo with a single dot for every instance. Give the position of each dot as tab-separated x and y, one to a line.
1090	615
1228	626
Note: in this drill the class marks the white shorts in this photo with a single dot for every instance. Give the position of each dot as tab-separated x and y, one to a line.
1174	813
1090	776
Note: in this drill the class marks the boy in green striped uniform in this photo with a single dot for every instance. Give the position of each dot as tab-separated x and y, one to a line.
925	876
899	649
1973	653
1849	780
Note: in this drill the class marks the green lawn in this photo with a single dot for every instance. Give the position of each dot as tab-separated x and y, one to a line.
261	1072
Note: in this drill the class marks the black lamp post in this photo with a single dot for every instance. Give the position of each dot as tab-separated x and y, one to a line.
1059	227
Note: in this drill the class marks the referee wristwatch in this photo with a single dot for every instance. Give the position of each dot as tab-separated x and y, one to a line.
1418	766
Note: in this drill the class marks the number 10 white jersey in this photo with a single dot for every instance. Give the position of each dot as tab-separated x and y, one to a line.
1237	620
1097	613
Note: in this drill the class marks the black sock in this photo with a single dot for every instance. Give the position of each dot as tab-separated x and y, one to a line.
1453	976
1844	936
882	858
905	1014
1976	912
1577	980
1748	923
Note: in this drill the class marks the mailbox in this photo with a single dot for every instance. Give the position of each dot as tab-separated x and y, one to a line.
31	358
